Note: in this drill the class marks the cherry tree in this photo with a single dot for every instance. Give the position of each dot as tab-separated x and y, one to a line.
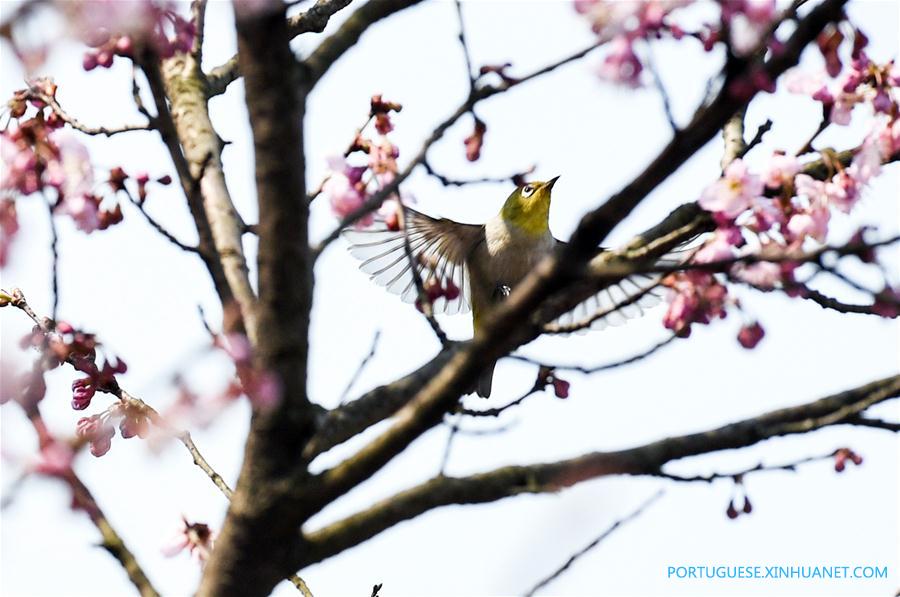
257	212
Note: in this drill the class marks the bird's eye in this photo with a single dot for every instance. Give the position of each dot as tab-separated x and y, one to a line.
527	190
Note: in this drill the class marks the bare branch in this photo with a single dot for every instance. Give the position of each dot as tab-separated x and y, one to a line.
313	20
181	82
733	137
333	47
559	571
757	138
503	329
271	469
362	365
606	366
648	459
54	265
494	412
470	72
481	93
166	126
862	421
458	182
739	475
35	93
157	226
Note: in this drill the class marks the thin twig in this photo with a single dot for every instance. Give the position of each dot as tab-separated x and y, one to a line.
757	138
807	147
470	72
362	365
185	438
559	571
424	301
485	432
494	412
54	267
862	421
480	94
159	227
458	182
660	87
454	428
301	585
789	466
34	93
83	499
597	368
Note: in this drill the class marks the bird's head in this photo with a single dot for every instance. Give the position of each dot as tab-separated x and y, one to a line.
528	207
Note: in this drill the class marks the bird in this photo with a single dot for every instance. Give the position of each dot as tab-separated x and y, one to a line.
465	266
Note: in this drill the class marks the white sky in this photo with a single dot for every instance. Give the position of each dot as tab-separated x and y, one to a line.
140	295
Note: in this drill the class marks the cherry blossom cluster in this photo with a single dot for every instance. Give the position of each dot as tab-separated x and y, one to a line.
349	186
99	429
863	83
123	27
624	22
781	209
39	157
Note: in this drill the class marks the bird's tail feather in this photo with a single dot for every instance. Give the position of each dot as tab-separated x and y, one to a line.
483	388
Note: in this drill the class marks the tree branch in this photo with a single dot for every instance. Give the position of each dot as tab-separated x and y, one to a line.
334	46
167	130
34	93
594	543
479	94
272	467
647	459
313	20
503	329
184	87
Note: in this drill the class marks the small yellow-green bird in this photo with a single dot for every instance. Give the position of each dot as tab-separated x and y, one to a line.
485	262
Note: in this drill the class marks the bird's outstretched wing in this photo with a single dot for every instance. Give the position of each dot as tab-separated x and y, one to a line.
617	303
439	248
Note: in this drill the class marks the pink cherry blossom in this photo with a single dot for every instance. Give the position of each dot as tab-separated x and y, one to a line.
621	64
887	135
345	189
763	274
84	210
812	223
734	192
695	297
866	163
803	81
721	246
781	169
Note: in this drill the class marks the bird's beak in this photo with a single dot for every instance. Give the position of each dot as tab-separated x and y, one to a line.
549	184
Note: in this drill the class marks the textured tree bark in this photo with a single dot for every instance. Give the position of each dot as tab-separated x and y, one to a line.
260	538
202	147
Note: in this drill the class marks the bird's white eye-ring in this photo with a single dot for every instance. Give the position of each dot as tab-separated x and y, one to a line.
527	190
